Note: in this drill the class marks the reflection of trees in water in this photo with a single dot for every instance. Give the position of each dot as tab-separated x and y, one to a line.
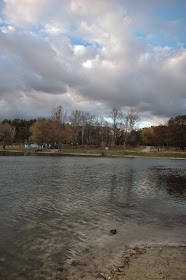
173	181
113	183
122	186
129	184
175	186
125	185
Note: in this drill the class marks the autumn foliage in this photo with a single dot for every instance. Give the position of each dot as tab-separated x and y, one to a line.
83	128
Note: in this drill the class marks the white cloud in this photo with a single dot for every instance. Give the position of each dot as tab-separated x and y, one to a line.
53	29
79	49
84	7
85	53
6	29
23	11
92	63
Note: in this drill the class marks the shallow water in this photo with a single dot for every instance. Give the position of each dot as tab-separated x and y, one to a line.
56	212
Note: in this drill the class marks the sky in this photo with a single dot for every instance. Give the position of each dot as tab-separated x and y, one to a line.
93	56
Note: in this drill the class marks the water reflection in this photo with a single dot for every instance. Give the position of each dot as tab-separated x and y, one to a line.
176	187
56	212
173	180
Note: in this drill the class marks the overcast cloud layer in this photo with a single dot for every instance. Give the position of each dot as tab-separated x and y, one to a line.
93	56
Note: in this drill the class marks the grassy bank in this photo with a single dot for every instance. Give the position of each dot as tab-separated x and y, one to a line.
136	152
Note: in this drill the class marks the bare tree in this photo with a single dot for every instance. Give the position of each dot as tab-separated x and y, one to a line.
12	133
81	120
105	134
116	116
59	114
89	127
130	124
75	120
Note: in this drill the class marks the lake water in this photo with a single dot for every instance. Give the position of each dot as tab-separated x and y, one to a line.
56	213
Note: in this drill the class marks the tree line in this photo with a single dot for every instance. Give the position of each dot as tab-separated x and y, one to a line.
83	128
172	134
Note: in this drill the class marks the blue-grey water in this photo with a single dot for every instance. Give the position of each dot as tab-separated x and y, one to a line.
56	213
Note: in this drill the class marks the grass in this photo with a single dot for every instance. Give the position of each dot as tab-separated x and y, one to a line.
136	152
19	149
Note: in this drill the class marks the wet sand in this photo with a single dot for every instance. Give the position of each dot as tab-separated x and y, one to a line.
151	262
140	262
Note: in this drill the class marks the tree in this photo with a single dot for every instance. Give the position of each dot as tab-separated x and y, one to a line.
60	132
116	116
147	135
106	135
41	131
82	123
22	129
50	131
75	120
7	133
177	131
59	114
160	135
130	123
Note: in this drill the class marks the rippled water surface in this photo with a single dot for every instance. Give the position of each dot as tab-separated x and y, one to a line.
56	212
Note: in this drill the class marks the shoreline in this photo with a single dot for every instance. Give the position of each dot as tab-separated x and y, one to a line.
146	262
90	154
135	262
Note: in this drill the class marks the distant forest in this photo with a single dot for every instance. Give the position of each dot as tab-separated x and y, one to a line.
82	128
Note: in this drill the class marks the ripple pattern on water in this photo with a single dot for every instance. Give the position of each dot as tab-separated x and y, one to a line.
59	210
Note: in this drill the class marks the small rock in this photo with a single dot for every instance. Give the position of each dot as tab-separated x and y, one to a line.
120	266
120	270
101	275
131	247
60	269
113	231
115	269
132	252
126	260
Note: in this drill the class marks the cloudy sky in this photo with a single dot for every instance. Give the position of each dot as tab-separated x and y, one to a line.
93	56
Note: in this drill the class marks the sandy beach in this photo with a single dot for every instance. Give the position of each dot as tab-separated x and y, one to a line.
141	262
151	262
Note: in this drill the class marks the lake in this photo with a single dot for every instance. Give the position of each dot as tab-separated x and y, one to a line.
57	212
